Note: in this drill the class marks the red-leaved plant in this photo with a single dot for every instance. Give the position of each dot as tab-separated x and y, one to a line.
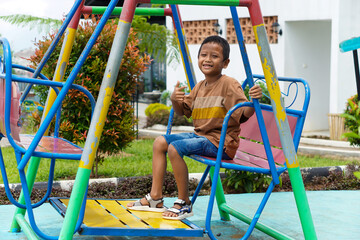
75	121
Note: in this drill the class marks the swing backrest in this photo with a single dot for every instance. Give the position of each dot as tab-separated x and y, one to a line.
251	142
15	110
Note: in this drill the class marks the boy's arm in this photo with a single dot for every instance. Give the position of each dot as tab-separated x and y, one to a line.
177	99
254	92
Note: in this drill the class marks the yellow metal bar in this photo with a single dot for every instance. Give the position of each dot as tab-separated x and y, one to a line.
119	210
113	213
60	68
96	216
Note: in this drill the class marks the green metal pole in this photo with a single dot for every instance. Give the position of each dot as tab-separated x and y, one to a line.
200	2
29	233
281	120
138	11
30	178
262	227
302	203
220	197
98	120
58	76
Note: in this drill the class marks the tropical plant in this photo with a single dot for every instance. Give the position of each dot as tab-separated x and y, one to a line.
119	126
265	97
158	113
352	121
155	39
243	181
154	107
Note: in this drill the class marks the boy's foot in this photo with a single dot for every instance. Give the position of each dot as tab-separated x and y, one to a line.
179	211
147	204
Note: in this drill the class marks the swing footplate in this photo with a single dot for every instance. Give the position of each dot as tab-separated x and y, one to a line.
111	218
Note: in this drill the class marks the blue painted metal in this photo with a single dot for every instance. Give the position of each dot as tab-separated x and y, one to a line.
186	58
350	44
201	183
250	82
149	232
192	231
9	77
67	86
259	210
170	121
300	114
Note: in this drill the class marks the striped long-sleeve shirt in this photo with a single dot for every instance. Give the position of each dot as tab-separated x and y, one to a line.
208	105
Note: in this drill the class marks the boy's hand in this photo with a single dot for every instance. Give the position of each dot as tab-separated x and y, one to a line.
255	92
178	94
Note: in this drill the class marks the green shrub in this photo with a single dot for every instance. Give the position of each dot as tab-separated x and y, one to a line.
154	107
158	113
159	117
265	97
118	130
246	182
165	97
352	121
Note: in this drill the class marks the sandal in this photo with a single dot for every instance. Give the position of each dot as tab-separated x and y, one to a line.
184	212
152	207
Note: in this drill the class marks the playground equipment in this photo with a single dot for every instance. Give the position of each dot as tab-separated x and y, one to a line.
352	45
74	216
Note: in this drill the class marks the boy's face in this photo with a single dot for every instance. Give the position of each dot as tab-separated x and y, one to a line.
211	60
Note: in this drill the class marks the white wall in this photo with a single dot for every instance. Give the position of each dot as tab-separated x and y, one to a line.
348	27
307	55
326	22
235	69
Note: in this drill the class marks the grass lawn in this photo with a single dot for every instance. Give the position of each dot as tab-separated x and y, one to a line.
134	161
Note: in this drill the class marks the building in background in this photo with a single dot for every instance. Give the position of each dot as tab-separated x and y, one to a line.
306	47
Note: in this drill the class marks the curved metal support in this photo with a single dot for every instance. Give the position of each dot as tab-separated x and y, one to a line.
31	213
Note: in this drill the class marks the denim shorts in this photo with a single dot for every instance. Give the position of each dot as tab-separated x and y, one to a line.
190	143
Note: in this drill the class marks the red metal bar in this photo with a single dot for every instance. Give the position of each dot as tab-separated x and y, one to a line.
75	20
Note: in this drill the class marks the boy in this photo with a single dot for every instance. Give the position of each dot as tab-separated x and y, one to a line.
207	103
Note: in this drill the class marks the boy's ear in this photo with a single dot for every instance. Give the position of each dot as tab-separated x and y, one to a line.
226	63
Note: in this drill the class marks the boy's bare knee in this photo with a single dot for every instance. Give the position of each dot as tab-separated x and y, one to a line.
160	144
172	152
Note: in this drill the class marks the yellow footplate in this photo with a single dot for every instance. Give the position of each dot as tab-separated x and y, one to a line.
112	218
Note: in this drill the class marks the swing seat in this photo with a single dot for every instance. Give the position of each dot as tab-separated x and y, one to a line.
251	152
46	144
51	145
259	151
27	146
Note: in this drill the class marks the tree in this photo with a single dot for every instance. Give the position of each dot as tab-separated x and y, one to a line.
155	39
119	127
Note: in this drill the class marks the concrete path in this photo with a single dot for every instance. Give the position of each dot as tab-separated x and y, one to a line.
335	215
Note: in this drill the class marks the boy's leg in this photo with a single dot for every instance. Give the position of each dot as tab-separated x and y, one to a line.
158	167
160	147
181	176
177	149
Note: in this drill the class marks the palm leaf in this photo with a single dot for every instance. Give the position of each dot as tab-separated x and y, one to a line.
31	22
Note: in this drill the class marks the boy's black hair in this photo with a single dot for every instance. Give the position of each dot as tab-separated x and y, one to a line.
219	40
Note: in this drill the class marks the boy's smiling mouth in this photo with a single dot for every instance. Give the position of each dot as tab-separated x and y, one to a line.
207	66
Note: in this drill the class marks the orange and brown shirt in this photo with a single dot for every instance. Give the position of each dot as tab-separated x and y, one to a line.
208	105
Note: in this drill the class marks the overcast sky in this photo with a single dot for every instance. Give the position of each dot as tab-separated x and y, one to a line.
23	38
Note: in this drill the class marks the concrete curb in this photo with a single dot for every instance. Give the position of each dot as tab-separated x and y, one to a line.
325	142
324	151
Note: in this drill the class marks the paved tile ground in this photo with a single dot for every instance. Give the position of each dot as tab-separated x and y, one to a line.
336	216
